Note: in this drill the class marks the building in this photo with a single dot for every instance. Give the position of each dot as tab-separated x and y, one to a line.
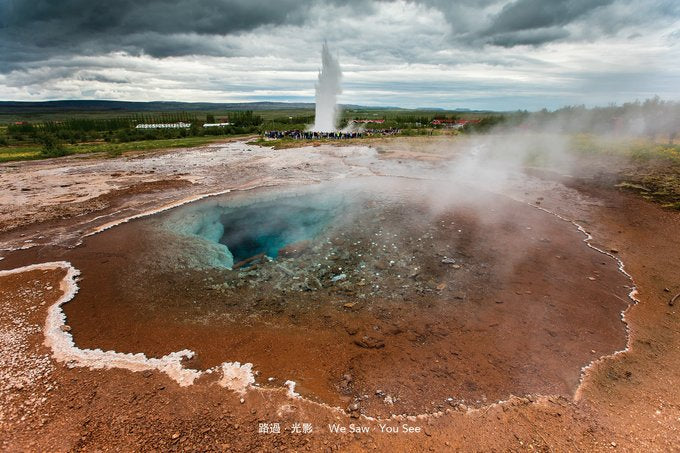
453	124
179	125
367	121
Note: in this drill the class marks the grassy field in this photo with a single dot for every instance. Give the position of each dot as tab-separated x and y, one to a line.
637	149
267	115
651	168
652	165
51	133
32	152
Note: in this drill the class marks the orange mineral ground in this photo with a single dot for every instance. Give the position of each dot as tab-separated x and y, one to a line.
432	310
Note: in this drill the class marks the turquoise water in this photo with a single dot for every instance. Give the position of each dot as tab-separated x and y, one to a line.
226	230
269	226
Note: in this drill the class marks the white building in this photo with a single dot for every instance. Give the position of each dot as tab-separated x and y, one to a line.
179	125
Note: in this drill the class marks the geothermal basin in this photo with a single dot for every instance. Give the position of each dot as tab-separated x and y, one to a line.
375	290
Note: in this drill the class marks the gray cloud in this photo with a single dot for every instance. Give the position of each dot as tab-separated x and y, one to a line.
448	51
35	30
531	37
47	19
538	22
523	15
39	29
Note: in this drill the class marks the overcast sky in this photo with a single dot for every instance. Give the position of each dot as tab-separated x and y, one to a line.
491	54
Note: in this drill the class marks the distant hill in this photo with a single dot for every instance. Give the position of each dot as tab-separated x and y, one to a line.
13	107
155	106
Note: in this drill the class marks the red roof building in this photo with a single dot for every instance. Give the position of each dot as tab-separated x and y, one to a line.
368	121
452	123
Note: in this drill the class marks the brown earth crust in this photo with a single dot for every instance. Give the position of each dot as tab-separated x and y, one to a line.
629	401
514	313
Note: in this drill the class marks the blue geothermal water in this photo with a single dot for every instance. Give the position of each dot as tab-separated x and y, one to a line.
268	227
225	230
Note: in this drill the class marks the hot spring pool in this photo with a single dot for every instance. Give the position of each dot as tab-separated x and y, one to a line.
420	297
233	231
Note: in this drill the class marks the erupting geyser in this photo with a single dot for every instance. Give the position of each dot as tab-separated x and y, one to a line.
327	89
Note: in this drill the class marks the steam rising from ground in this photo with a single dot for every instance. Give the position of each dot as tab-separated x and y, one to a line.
492	162
327	90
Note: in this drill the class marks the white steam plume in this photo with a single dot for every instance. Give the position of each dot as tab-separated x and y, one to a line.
327	90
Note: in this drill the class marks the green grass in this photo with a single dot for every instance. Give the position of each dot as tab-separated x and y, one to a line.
39	117
267	115
652	169
32	152
640	150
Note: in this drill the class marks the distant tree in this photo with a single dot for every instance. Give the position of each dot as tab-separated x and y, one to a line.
51	145
195	129
246	118
210	118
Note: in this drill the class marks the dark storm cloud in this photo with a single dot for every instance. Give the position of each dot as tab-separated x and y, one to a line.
537	22
39	29
46	20
407	52
36	30
530	37
523	15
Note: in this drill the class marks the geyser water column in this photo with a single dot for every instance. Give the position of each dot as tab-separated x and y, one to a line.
327	90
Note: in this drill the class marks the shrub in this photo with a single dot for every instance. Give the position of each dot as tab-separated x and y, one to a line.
51	146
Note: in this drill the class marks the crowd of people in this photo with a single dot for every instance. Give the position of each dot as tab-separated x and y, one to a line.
312	135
